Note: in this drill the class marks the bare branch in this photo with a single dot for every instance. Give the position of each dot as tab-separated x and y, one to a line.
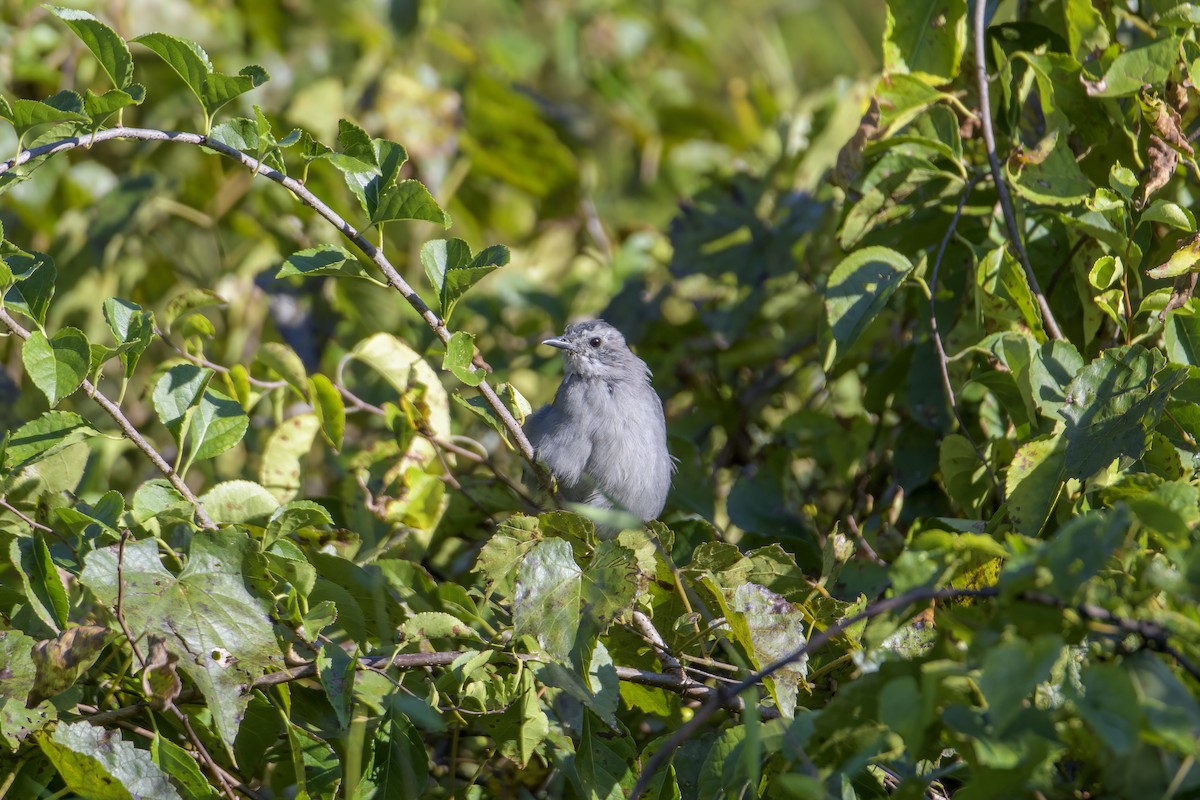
943	360
989	140
394	279
665	657
715	701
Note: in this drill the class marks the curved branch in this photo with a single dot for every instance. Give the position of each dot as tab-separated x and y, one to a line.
1154	637
943	359
256	167
131	433
989	140
715	701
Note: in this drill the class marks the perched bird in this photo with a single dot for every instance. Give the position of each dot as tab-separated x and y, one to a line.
604	437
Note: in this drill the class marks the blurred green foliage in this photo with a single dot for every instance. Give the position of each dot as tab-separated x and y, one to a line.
775	201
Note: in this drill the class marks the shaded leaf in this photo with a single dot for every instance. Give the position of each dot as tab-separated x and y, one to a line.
98	764
206	615
858	289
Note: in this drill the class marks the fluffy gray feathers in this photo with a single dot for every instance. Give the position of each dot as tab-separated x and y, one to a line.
604	437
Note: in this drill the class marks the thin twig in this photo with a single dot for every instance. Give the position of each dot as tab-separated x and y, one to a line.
650	633
715	701
95	714
205	756
37	526
114	411
120	610
204	362
943	361
989	140
1153	636
301	192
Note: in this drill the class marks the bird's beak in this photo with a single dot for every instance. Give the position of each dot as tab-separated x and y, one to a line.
561	344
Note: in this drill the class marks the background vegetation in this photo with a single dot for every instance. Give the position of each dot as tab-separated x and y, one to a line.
932	530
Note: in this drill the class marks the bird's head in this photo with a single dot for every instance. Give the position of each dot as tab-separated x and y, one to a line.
595	349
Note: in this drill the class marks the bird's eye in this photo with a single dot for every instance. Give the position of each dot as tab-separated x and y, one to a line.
595	341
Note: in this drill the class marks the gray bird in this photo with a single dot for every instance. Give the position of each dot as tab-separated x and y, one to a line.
604	437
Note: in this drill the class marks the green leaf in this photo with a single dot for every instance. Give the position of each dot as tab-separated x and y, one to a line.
317	769
206	615
1011	670
547	603
318	617
336	670
566	607
925	38
1111	405
770	628
57	365
239	133
158	498
964	475
177	391
460	351
503	553
452	270
1183	260
191	63
189	302
106	45
25	115
101	106
1133	68
407	199
35	274
1053	366
217	424
286	364
1106	271
88	520
219	89
437	625
234	502
284	456
1107	702
605	761
1169	213
399	764
47	435
289	563
1034	482
329	407
1049	174
182	768
132	327
1073	555
405	370
186	57
40	579
325	259
96	763
858	289
1181	338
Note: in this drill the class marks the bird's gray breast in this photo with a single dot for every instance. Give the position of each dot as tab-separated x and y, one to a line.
628	458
